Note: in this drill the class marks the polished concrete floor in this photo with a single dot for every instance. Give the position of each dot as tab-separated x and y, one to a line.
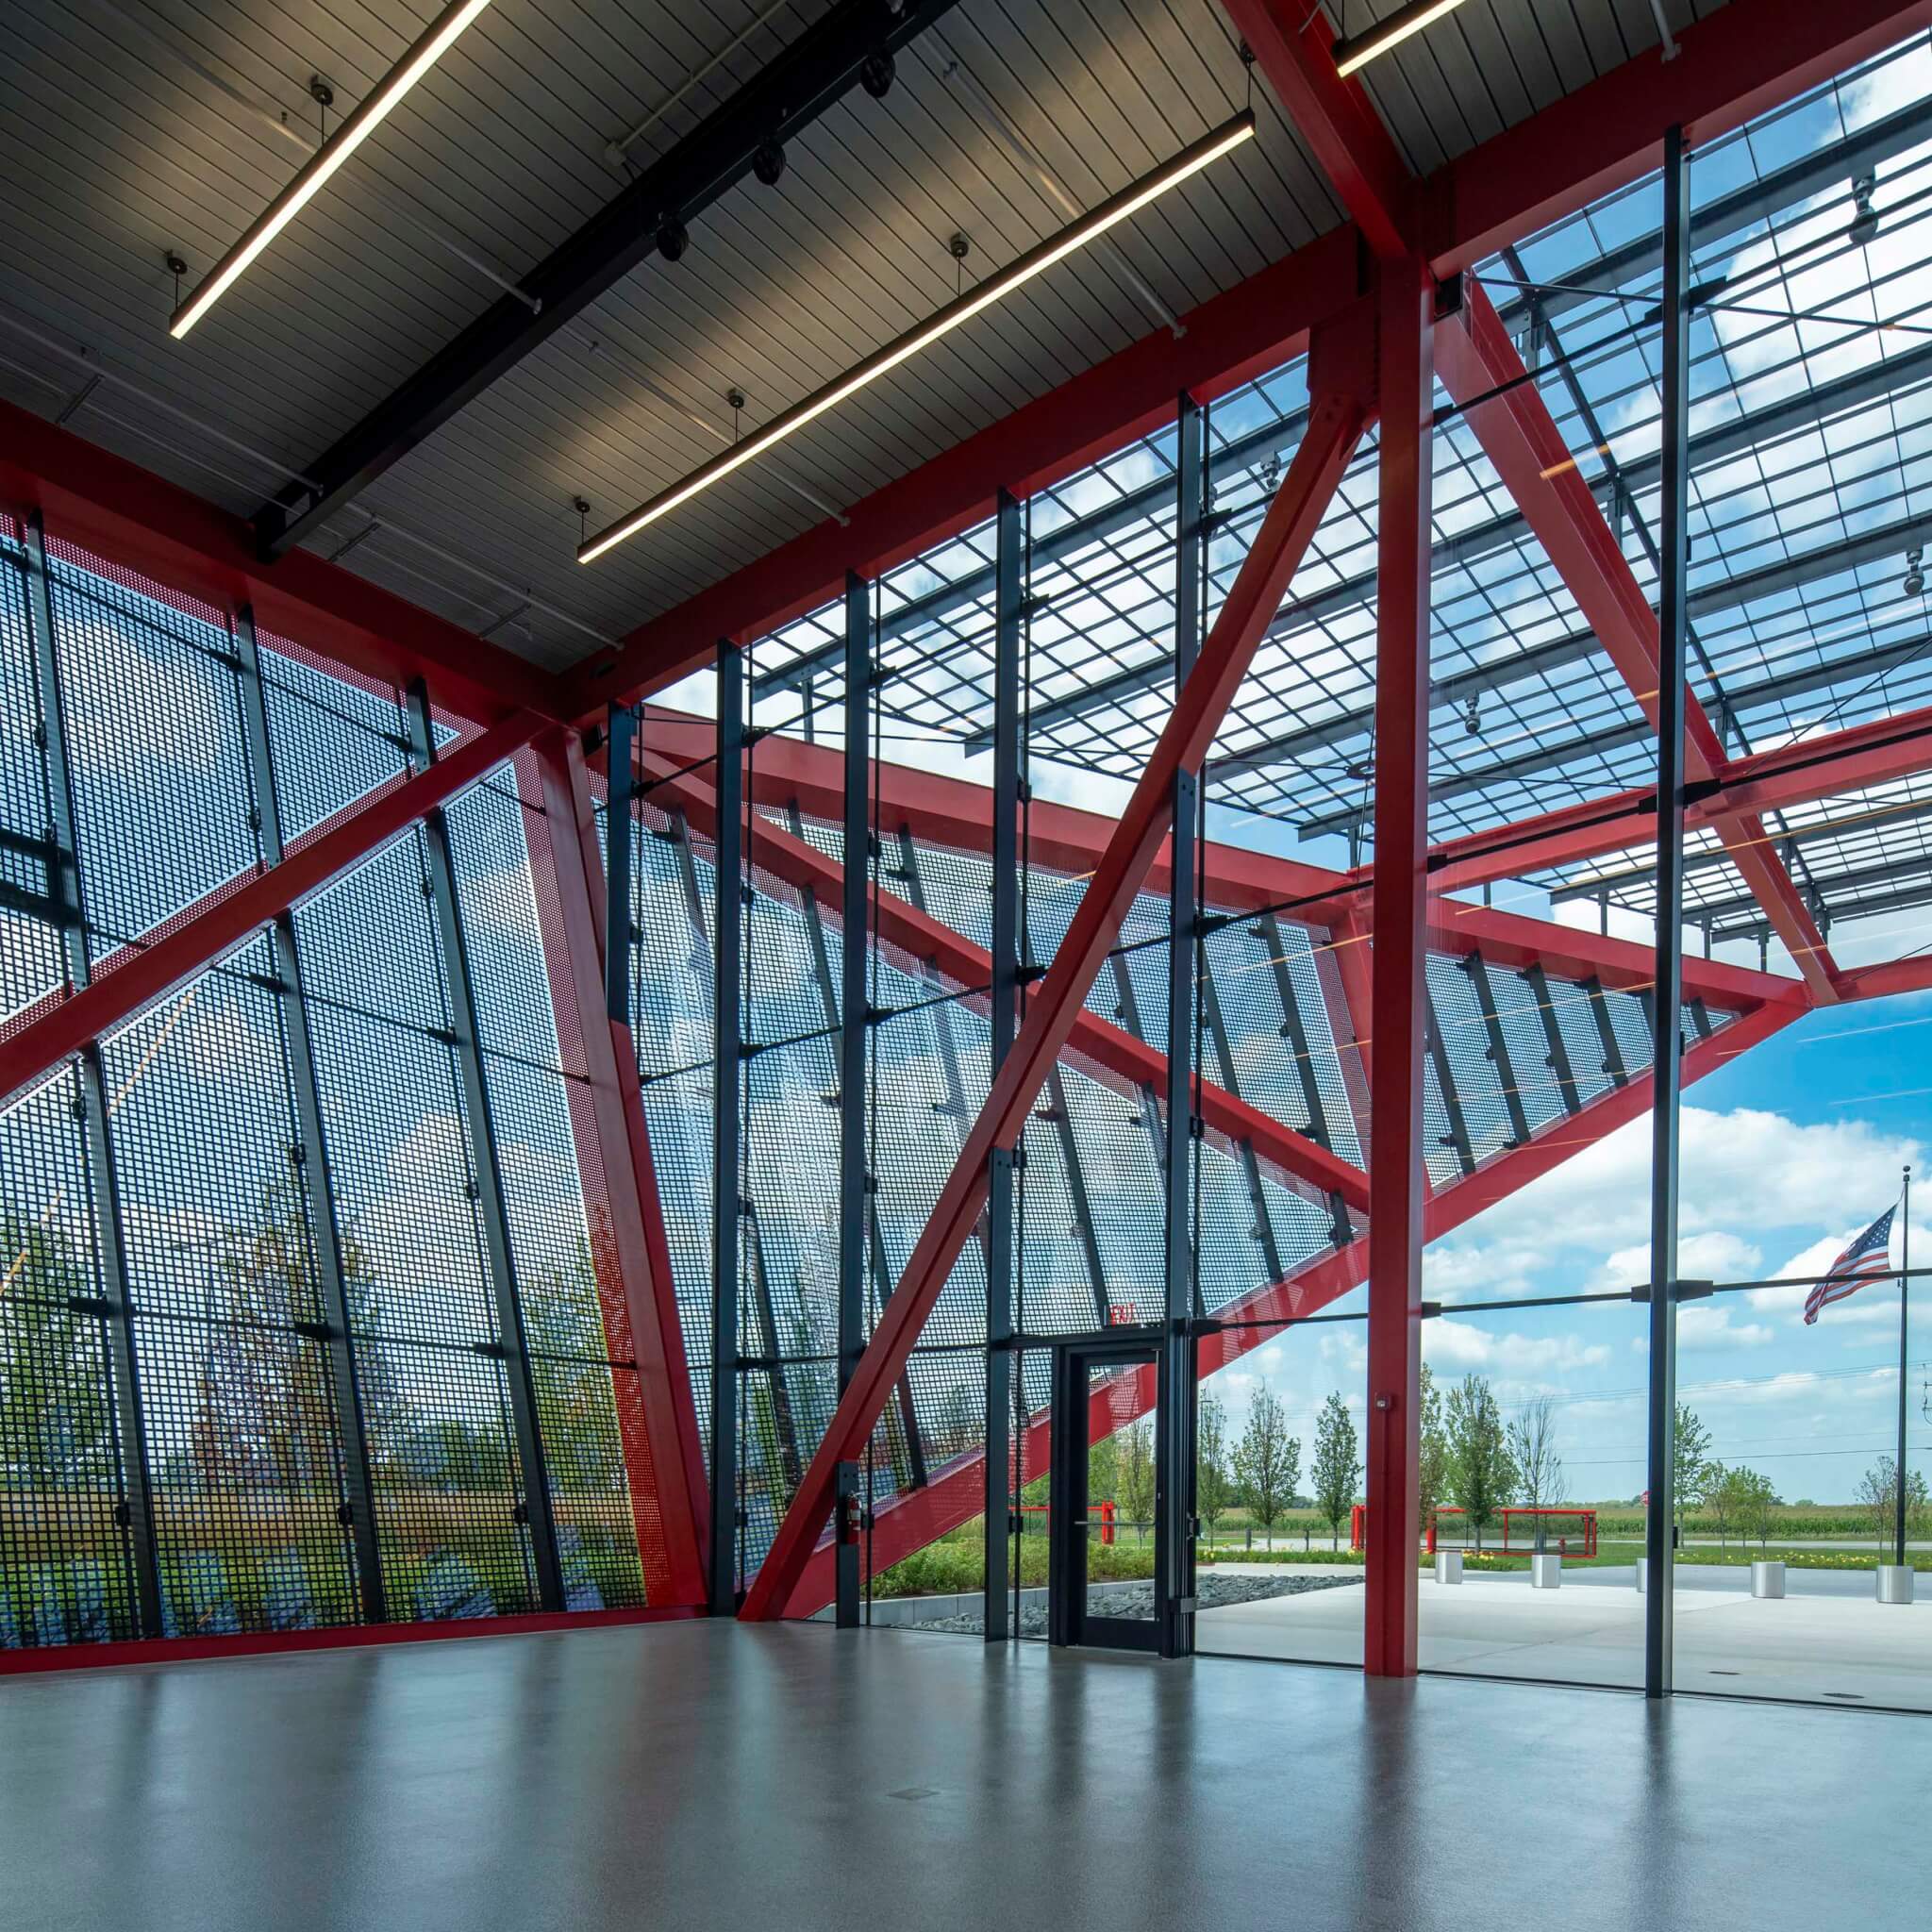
701	1775
1829	1640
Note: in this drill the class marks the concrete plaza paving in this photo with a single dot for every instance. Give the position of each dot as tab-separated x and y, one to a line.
1828	1641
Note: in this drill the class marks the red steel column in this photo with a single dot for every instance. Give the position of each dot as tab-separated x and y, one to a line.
663	1453
1397	1186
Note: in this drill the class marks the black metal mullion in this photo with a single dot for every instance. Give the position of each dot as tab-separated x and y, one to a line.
727	1133
1127	1008
1458	1136
1251	1166
1557	1058
1478	971
1605	1032
1173	1426
1009	590
1666	1036
312	1146
854	1020
480	1128
98	1152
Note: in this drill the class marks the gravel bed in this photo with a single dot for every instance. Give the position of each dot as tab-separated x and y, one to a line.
1213	1592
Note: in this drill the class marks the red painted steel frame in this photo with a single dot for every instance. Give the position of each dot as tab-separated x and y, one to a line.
955	1493
1740	61
129	516
629	1252
1482	372
918	937
1336	423
1292	42
138	975
1397	1186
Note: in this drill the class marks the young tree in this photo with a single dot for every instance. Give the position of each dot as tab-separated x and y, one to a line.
1724	1499
1531	1442
1693	1468
1432	1469
1213	1486
1878	1495
1137	1474
1267	1460
1481	1474
1336	1464
1758	1503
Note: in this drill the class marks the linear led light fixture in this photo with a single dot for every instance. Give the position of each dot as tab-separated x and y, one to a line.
1358	50
1189	160
367	116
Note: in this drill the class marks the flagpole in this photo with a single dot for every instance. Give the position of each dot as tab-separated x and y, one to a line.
1904	1291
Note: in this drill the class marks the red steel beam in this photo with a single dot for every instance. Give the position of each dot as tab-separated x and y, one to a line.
1485	375
1336	423
1895	976
629	1253
957	812
1740	61
129	516
1292	43
1748	57
956	1493
1398	990
918	937
139	975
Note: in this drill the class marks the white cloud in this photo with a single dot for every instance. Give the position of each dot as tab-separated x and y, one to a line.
1462	1345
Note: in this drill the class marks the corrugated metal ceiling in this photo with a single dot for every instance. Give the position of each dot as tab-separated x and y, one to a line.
129	130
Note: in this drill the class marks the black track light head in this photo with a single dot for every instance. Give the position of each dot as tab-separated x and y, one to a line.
768	163
875	74
674	237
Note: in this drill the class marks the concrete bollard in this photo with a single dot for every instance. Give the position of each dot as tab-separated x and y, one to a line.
1894	1583
1546	1571
1448	1566
1642	1575
1767	1580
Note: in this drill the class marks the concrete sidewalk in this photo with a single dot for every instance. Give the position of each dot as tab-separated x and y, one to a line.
1831	1647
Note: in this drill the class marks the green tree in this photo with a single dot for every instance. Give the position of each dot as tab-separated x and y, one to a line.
1878	1495
1758	1503
1531	1442
56	1427
1137	1473
1432	1468
1724	1498
1693	1469
1482	1477
1213	1489
1336	1464
1267	1460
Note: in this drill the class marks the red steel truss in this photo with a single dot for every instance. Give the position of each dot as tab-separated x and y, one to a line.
1339	412
629	1253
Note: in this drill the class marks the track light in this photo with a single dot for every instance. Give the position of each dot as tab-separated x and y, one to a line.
1358	50
674	237
875	74
1191	160
330	156
768	163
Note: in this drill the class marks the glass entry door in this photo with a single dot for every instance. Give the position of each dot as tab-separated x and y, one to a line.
1103	1548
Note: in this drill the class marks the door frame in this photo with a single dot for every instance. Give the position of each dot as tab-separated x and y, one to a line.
1069	1621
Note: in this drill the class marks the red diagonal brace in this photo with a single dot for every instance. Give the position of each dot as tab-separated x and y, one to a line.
1482	372
1112	1050
629	1254
1292	43
1334	427
183	947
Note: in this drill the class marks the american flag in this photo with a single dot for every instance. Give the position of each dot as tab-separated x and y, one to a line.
1869	1254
